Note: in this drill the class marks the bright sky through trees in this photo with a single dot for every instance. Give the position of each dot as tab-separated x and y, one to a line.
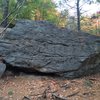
86	8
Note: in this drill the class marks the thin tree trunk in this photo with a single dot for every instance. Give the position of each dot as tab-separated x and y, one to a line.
78	16
5	12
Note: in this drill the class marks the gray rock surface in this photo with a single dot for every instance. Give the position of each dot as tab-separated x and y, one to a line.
41	46
2	69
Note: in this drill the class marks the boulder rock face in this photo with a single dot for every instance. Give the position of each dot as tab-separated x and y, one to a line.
41	46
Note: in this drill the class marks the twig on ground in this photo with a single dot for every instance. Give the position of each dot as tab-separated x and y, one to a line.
57	97
73	94
26	98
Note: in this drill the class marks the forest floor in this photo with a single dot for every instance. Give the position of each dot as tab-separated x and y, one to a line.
36	87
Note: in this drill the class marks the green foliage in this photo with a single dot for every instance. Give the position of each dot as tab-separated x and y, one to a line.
88	83
33	9
10	93
0	10
98	1
26	12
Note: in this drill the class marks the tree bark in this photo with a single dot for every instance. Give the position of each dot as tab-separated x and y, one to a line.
78	16
5	12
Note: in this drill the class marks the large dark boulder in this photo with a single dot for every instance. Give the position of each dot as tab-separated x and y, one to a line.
41	46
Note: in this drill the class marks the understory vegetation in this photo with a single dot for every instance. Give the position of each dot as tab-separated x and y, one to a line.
48	10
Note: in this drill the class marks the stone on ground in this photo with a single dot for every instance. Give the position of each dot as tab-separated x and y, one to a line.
2	69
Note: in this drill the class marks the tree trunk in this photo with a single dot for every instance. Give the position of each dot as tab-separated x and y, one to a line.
78	16
5	12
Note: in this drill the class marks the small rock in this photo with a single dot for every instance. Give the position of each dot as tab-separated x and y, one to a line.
2	69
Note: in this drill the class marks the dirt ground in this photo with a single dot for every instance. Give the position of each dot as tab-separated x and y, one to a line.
35	87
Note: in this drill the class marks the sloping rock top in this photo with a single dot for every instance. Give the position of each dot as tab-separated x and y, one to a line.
41	46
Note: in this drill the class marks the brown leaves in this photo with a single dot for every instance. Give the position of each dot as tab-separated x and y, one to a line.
48	88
